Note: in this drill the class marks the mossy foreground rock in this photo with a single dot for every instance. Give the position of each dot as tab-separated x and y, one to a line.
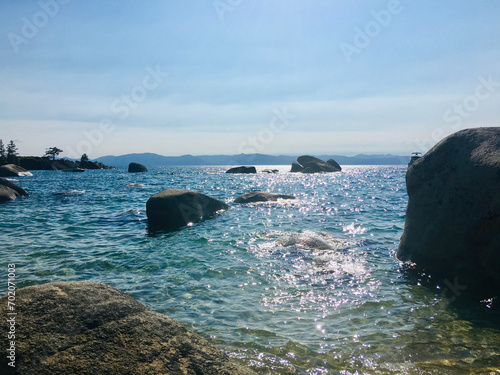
175	208
453	216
89	328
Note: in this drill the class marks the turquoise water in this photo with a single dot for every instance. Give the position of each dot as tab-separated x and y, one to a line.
308	286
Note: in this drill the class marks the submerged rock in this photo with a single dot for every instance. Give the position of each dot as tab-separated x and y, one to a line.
452	224
136	168
12	170
175	208
91	328
242	169
259	196
10	191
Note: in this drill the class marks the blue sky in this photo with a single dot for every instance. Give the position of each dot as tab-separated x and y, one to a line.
230	76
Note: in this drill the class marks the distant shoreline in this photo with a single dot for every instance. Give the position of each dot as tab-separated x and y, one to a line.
151	159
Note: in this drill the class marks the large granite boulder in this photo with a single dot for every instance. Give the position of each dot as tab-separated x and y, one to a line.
10	191
12	170
136	168
175	208
90	328
259	196
242	169
453	216
310	164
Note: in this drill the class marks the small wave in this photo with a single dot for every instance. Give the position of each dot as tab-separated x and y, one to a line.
308	240
134	185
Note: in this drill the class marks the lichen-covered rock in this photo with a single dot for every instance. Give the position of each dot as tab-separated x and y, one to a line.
175	208
90	328
259	196
453	216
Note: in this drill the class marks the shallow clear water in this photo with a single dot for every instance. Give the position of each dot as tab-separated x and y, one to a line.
308	286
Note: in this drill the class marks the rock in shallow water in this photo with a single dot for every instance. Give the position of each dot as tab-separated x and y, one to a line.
175	208
453	216
91	328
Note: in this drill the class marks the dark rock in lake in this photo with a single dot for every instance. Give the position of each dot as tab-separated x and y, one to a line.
315	164
259	196
175	208
12	170
452	222
270	171
334	164
296	167
310	164
242	169
92	328
137	168
10	191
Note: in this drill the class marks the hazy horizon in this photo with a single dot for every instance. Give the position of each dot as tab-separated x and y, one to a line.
231	77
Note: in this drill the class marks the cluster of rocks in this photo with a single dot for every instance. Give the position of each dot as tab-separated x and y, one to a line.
175	208
310	164
90	328
45	163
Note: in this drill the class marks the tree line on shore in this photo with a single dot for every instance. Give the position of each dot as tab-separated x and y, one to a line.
9	155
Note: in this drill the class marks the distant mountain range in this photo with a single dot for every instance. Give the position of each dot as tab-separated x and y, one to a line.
150	159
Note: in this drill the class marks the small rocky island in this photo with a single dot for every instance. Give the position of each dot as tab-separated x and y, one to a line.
310	164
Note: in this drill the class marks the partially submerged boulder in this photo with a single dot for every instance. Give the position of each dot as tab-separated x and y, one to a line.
10	191
12	170
91	328
452	224
315	164
175	208
296	167
310	164
259	196
242	169
136	168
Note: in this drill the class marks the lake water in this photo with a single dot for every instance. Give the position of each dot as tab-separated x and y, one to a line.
306	286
